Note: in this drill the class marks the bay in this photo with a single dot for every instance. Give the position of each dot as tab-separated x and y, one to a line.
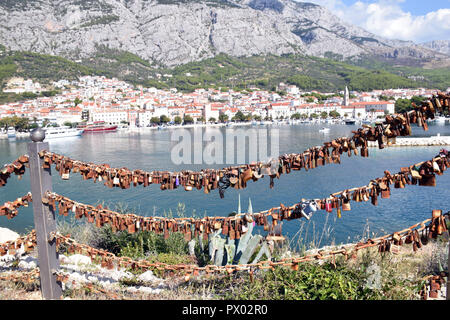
152	151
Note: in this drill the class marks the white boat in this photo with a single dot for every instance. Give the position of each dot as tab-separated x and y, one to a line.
61	132
324	130
11	132
440	119
350	121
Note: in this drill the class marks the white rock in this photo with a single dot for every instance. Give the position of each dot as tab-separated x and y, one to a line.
143	289
63	259
7	235
79	259
6	260
28	263
77	277
147	276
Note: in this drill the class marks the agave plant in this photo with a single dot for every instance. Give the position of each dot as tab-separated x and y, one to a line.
224	251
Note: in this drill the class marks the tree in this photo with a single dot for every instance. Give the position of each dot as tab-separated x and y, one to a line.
68	124
201	119
188	119
239	116
223	117
418	100
177	120
296	116
77	101
402	105
324	115
212	119
164	119
154	120
314	116
334	114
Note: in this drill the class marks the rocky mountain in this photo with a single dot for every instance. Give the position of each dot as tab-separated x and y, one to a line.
442	46
174	32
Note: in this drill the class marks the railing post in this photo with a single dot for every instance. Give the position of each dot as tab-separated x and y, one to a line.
44	217
448	267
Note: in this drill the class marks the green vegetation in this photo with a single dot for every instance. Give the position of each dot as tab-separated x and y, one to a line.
223	118
45	68
177	120
100	20
188	119
266	72
334	114
239	116
402	105
369	275
427	77
223	72
19	123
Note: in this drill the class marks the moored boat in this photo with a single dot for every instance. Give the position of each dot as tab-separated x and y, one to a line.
62	132
11	132
350	121
99	126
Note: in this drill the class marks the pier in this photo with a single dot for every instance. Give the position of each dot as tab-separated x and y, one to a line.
416	142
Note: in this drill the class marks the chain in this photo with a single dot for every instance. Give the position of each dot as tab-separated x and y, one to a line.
108	259
235	226
10	209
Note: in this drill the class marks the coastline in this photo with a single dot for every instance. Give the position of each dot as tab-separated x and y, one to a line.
416	142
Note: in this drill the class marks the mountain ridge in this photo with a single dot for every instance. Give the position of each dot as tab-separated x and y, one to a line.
442	46
175	32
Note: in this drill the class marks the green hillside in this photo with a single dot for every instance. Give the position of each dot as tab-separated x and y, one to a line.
222	71
308	73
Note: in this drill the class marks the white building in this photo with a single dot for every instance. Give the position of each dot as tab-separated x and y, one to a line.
109	116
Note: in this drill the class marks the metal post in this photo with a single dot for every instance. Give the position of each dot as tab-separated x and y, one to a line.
448	267
44	217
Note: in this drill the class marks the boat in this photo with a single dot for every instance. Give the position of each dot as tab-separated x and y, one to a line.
440	119
324	130
11	132
61	132
99	126
123	127
350	121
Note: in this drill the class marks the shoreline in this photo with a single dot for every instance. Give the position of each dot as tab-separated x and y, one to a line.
416	142
396	142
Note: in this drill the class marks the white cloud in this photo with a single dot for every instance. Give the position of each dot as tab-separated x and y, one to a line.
387	19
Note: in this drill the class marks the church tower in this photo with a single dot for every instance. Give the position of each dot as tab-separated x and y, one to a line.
346	97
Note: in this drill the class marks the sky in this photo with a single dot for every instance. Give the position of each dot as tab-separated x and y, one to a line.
414	20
